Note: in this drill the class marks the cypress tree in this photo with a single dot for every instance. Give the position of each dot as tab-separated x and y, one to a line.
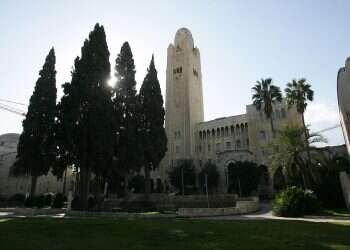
152	112
35	150
85	110
127	146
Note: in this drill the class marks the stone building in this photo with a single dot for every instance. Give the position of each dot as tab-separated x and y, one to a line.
13	185
343	90
225	140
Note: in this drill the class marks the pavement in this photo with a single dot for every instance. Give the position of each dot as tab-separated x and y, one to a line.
265	213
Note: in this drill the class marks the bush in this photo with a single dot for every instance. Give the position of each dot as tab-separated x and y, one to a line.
75	203
29	201
20	198
48	199
295	202
40	201
58	201
184	171
212	173
244	177
138	206
91	202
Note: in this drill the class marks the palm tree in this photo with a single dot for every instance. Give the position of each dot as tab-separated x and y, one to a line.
265	95
298	92
291	148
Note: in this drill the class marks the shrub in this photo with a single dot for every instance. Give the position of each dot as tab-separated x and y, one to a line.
244	177
75	203
212	173
138	206
295	202
91	202
58	201
40	201
48	199
29	201
184	171
137	182
20	198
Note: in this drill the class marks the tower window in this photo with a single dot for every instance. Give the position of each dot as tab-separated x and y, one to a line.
177	70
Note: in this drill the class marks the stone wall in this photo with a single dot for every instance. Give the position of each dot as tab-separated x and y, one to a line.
242	207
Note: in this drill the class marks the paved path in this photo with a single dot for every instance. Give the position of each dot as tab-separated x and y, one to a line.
265	213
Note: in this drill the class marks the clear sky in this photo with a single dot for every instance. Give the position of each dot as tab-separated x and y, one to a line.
240	42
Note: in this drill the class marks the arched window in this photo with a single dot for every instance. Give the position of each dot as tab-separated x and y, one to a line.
213	133
242	128
208	134
218	132
200	135
237	130
204	135
222	131
238	144
232	130
226	131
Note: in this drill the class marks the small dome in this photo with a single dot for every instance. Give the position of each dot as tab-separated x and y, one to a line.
347	63
184	35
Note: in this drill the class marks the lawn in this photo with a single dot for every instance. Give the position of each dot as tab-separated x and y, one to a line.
50	233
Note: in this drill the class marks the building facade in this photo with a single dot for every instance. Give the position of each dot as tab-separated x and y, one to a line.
243	137
14	185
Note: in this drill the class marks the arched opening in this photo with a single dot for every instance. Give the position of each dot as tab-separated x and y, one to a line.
263	188
279	181
213	133
232	130
226	131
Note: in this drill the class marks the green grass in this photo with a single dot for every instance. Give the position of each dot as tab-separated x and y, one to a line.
54	234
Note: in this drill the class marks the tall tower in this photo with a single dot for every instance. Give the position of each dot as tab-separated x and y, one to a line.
343	89
184	97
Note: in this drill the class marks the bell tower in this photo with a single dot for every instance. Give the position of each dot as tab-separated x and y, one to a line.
184	97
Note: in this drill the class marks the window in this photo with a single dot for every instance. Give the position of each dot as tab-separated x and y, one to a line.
218	147
200	163
226	131
208	147
2	143
238	144
262	135
177	70
232	130
195	72
228	145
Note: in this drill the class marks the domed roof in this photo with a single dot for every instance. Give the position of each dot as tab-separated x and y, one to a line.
182	35
347	63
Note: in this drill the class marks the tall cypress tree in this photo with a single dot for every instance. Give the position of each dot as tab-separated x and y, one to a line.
152	112
85	110
127	146
35	147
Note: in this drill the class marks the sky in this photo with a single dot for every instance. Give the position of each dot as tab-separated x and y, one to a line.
240	42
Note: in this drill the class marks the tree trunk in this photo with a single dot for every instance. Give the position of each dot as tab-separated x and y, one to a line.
64	182
33	185
147	182
308	165
126	186
84	188
272	127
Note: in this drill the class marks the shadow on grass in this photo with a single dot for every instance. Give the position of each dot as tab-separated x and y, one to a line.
110	233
